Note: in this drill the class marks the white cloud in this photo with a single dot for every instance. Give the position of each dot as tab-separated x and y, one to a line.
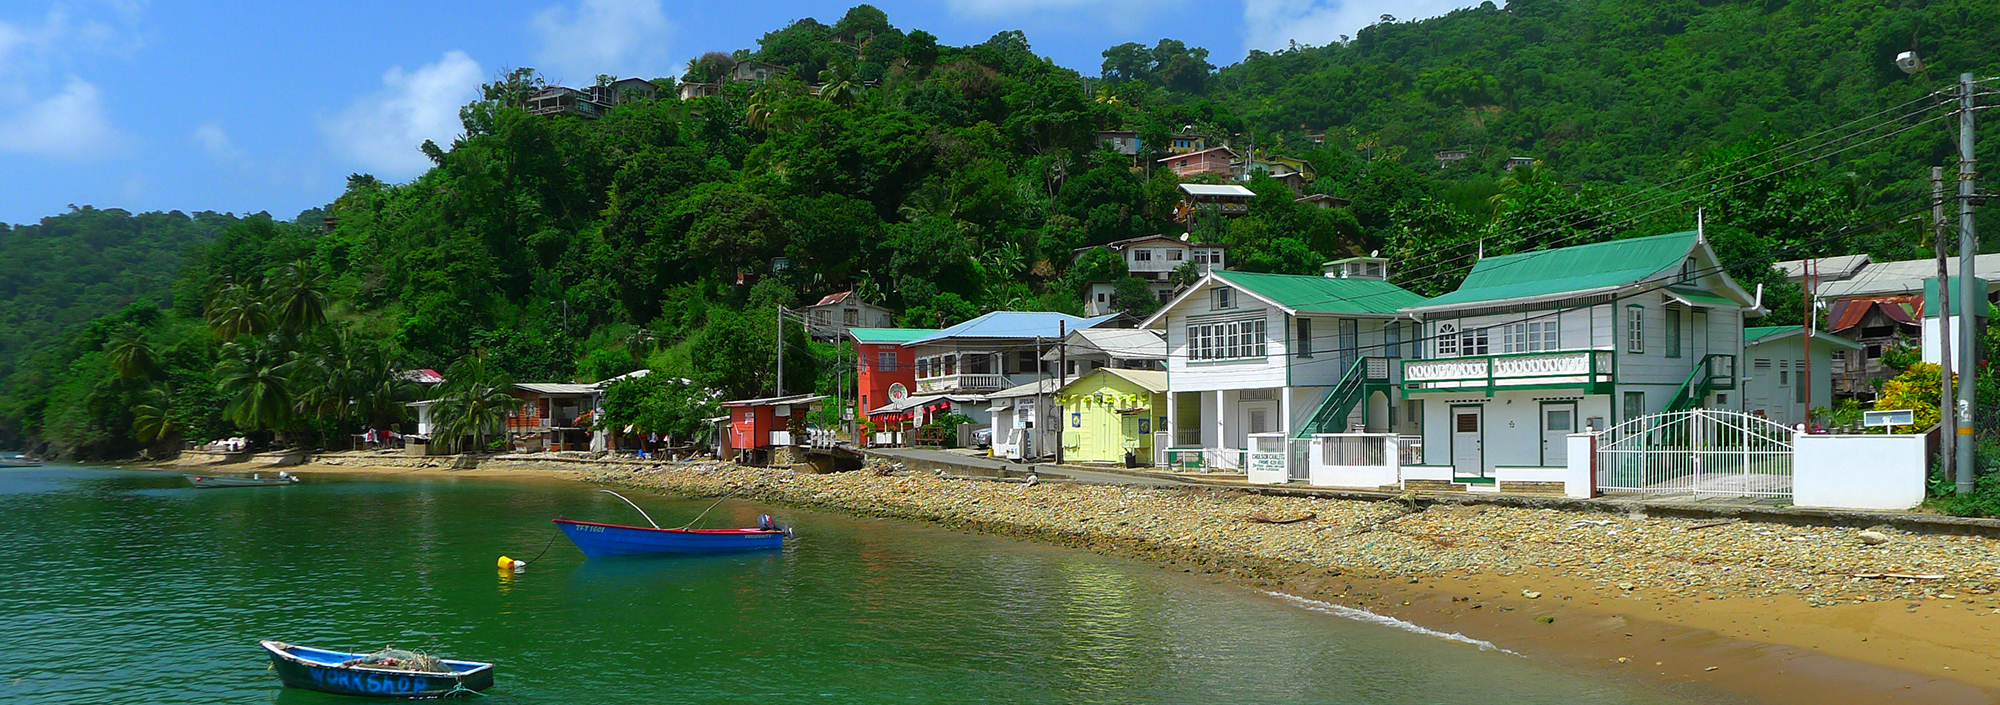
1274	24
626	38
49	112
381	131
215	140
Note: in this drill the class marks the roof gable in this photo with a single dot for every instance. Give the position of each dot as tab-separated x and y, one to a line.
1305	293
1566	270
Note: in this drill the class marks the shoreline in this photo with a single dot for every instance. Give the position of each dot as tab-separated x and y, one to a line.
1657	603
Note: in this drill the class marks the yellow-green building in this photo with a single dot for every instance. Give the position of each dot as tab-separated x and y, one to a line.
1111	411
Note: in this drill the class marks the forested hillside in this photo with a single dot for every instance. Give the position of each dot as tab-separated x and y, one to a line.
74	267
947	181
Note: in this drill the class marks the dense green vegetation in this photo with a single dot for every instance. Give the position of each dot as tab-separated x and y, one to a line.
947	181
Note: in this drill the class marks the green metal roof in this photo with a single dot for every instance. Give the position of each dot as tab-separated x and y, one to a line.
1569	269
1317	294
888	335
1757	334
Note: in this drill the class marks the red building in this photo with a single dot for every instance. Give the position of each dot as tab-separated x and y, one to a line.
882	364
756	426
1220	161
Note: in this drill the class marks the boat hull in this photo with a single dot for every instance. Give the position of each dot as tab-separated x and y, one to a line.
613	540
318	669
215	481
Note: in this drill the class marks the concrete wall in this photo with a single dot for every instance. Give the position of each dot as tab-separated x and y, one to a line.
1324	474
1858	472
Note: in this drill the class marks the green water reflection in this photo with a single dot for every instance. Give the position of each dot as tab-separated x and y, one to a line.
126	586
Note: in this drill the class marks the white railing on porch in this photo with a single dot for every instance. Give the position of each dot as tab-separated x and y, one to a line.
1576	367
962	382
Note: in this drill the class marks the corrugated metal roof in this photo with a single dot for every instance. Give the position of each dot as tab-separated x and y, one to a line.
1764	334
556	388
1824	268
1317	294
1041	386
1698	297
1015	325
1599	266
1216	190
1121	343
1907	277
1150	380
888	335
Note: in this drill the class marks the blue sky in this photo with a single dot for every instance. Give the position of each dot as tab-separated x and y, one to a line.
263	106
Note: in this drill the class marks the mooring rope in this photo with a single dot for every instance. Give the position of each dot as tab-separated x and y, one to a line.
718	500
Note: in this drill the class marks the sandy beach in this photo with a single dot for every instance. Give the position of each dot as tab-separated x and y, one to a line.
1712	611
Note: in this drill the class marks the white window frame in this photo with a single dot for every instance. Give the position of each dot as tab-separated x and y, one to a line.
1514	338
1223	298
1446	340
1635	329
1475	342
1544	336
1243	339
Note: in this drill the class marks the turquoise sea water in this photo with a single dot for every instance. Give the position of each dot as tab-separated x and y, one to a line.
122	586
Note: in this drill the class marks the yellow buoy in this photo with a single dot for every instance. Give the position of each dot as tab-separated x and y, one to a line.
506	562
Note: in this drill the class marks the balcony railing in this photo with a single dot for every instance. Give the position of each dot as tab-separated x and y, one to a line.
962	383
1579	368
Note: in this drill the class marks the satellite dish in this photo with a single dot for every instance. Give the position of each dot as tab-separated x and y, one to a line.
1909	63
897	392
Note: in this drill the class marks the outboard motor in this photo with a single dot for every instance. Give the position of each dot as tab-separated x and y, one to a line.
765	522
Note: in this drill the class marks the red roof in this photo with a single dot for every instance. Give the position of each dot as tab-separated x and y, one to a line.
1848	313
835	298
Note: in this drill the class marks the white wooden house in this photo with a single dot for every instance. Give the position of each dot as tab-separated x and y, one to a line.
1251	353
1535	346
1152	258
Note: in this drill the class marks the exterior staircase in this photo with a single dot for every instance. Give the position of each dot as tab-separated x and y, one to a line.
1364	376
1714	373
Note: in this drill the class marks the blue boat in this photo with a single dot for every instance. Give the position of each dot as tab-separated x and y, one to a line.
610	540
344	673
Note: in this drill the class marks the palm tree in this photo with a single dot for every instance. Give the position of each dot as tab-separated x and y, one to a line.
131	354
298	299
236	310
257	380
350	381
474	401
837	88
152	417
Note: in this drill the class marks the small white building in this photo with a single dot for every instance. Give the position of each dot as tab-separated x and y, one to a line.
1776	383
1024	420
1123	348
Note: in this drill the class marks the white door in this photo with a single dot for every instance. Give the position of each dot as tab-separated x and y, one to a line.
1257	418
1558	421
1468	451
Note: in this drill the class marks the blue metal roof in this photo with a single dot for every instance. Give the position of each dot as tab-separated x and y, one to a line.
1014	324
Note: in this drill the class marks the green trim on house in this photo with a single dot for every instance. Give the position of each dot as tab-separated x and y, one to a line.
1702	298
888	335
1324	295
1541	273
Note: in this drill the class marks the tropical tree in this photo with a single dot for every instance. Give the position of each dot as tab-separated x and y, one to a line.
256	379
298	299
474	401
236	309
153	417
838	87
132	356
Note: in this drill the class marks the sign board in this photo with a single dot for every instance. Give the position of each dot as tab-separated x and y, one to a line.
1895	417
898	392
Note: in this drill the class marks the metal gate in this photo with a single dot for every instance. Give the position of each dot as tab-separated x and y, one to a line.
1697	452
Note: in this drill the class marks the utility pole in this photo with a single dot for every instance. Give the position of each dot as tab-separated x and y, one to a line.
781	351
1948	435
1805	340
1968	295
1062	376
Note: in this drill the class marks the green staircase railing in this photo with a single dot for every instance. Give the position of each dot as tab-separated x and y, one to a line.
1715	372
1331	417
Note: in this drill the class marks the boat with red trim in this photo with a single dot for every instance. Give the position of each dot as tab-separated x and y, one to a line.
610	540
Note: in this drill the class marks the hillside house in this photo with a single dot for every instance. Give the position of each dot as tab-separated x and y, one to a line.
1228	200
1535	346
1446	157
756	71
1293	173
1776	383
1187	141
1323	201
590	102
1279	354
1515	162
1153	258
831	318
1219	161
1124	142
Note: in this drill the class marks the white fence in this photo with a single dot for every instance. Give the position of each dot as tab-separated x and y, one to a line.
1697	452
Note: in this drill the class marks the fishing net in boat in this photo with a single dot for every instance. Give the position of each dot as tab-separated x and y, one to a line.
400	659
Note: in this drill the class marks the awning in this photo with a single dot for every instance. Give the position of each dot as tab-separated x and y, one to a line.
1699	298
